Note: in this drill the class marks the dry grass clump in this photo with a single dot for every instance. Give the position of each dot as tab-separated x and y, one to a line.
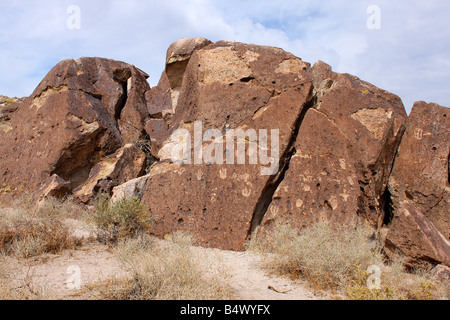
330	256
167	271
124	218
27	230
398	284
326	255
17	286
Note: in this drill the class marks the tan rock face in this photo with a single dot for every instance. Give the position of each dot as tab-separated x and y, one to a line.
80	113
132	188
421	175
55	187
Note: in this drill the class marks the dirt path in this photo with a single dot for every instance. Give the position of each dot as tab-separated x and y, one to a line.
95	263
67	276
246	275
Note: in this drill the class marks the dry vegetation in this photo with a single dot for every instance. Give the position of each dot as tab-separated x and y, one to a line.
162	271
157	272
20	284
333	257
28	230
328	256
124	218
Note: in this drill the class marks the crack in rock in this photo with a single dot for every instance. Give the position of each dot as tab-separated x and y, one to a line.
272	184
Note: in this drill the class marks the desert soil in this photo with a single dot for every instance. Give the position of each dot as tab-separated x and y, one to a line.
244	273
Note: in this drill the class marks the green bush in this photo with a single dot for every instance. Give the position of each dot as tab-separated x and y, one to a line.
121	219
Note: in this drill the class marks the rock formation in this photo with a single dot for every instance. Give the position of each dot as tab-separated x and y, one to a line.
83	111
226	85
344	153
233	139
420	187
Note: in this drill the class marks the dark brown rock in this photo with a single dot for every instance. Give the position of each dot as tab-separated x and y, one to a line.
125	164
321	180
227	85
421	178
72	121
162	100
158	132
159	99
421	170
120	86
413	235
344	154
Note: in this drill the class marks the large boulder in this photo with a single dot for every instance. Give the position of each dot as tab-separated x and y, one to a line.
120	86
81	112
421	178
227	86
344	154
243	137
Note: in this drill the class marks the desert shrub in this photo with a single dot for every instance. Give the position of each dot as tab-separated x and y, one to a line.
121	219
398	284
327	255
27	230
168	271
10	101
332	256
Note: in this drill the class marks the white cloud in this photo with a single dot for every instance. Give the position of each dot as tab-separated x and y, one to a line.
409	56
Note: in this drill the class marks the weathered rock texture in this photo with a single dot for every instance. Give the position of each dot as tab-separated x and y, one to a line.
163	99
237	86
83	111
7	106
337	145
344	154
131	189
412	234
125	164
331	140
420	178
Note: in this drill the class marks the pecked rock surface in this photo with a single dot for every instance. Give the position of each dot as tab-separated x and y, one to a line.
7	106
81	112
226	85
338	140
344	153
233	139
420	187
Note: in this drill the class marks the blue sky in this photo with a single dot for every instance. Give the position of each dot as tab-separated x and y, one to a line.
409	55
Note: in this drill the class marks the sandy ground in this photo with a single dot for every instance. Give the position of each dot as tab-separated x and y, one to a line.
94	263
